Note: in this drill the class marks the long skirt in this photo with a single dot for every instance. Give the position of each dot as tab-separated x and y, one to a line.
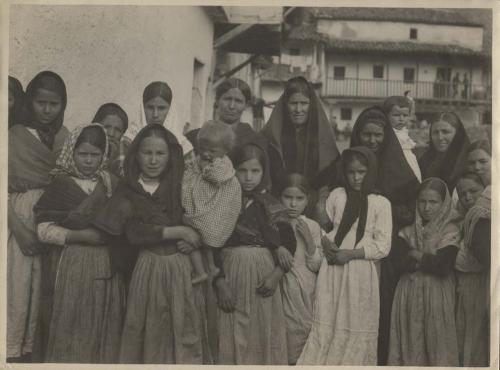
23	281
166	314
472	318
345	316
255	332
423	331
297	288
88	310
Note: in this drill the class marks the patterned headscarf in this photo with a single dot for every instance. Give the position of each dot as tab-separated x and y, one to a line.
65	164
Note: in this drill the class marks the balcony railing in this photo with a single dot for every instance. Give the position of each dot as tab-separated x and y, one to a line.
375	88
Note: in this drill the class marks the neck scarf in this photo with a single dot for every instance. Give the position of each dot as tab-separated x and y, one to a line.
51	81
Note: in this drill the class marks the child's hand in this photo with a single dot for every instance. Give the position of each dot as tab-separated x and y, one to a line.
185	247
224	299
268	286
190	236
285	258
304	231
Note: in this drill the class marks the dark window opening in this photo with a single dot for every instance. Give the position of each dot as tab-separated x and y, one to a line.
409	75
378	71
338	73
295	51
345	114
413	33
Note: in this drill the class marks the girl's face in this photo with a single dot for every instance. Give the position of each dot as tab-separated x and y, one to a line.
295	201
12	100
298	107
114	128
87	158
156	110
231	105
442	134
479	162
249	174
46	106
468	192
372	136
398	116
429	202
355	173
152	157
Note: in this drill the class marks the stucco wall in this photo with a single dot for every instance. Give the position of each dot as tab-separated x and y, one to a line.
110	53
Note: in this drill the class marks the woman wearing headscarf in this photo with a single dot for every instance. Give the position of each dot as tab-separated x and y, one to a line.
115	121
423	331
300	137
16	101
165	321
346	309
446	156
33	149
89	294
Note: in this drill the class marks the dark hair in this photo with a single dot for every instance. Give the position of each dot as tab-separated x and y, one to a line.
111	109
155	89
392	101
480	144
352	156
248	152
471	176
295	180
93	135
433	183
16	112
451	118
233	83
297	85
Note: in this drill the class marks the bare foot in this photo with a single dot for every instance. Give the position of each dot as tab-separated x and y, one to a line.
199	278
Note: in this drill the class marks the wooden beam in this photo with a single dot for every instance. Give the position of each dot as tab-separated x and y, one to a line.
234	70
228	36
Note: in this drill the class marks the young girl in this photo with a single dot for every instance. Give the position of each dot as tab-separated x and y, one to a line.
165	320
297	286
472	310
33	150
211	194
251	322
89	297
346	308
423	331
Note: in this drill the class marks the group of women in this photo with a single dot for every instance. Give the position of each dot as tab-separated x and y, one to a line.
370	257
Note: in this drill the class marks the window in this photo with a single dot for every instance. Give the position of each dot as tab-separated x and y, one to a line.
378	71
294	51
338	73
345	114
413	33
409	75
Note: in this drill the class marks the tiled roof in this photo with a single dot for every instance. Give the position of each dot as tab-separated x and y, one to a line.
308	32
417	15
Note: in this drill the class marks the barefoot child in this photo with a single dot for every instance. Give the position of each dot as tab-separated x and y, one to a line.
211	194
297	286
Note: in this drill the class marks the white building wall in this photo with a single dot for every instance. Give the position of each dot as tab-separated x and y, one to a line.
467	36
110	53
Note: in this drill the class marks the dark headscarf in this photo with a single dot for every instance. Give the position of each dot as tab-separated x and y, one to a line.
16	89
109	109
450	165
357	201
155	89
320	145
168	195
51	81
374	115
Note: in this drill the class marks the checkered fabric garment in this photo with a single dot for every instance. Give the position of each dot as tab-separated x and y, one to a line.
211	198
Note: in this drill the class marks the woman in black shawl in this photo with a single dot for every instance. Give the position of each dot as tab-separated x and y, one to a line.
16	101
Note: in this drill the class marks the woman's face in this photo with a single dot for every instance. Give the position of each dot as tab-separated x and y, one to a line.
298	108
372	136
479	162
355	173
114	128
442	134
156	110
152	157
87	158
231	106
294	200
249	174
468	192
46	106
429	203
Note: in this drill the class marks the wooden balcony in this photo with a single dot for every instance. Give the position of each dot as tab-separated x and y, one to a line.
379	89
